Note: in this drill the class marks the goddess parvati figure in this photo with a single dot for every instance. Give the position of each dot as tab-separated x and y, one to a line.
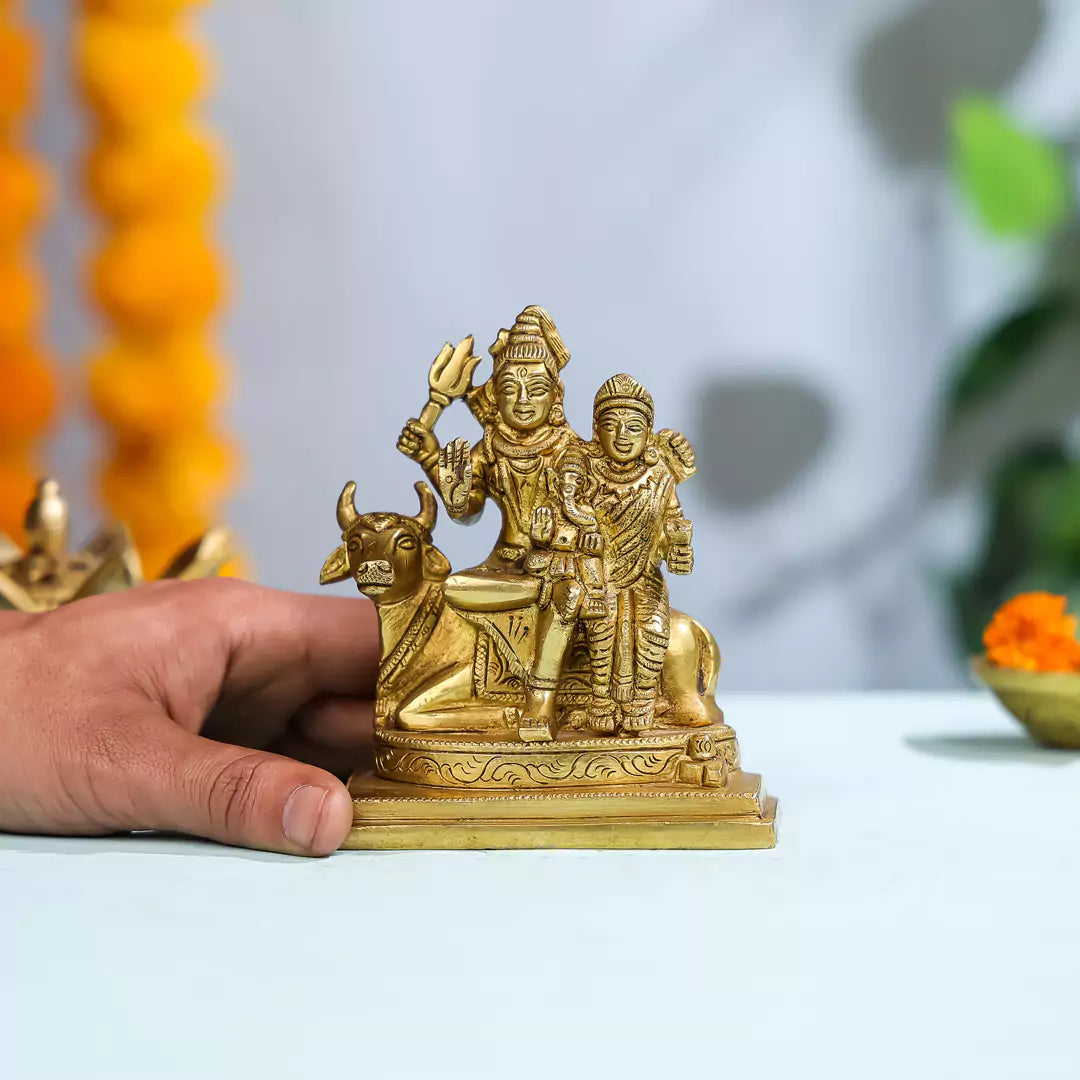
618	519
525	435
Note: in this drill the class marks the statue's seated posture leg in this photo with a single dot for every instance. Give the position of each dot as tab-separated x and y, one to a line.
487	589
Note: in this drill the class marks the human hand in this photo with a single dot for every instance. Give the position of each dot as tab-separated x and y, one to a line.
419	443
113	705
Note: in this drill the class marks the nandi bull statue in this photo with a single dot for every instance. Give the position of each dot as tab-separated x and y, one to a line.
550	696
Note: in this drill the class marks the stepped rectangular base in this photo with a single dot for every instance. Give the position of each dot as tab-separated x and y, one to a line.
390	815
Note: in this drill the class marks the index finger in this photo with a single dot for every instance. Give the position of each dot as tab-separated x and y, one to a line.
260	638
325	644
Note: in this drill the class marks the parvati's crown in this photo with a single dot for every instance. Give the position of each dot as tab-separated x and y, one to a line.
625	391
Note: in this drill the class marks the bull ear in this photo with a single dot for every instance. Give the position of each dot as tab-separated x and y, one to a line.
346	507
426	518
436	564
336	568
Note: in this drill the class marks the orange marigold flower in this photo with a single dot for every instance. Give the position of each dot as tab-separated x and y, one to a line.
157	556
166	490
1033	632
155	389
27	394
22	296
140	10
168	171
23	194
134	74
158	275
18	74
17	480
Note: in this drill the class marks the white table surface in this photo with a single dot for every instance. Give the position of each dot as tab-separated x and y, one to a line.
919	918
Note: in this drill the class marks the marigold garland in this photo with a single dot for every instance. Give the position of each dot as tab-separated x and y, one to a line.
27	381
1033	632
153	176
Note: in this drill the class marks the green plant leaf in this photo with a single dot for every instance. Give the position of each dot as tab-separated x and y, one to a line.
1060	527
1017	182
1007	349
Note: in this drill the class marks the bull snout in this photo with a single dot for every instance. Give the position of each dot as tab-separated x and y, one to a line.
375	572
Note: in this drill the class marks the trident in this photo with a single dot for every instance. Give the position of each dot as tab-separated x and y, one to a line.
450	377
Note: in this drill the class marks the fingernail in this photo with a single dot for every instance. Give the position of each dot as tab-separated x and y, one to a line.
303	815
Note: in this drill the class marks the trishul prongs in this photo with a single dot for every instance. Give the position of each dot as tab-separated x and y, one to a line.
450	377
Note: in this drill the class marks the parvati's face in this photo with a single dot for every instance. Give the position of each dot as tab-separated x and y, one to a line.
525	393
623	433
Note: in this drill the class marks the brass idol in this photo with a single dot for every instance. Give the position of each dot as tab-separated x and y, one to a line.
46	574
550	696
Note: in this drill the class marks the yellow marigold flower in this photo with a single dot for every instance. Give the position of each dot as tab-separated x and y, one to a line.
165	490
135	74
155	389
236	568
23	194
1033	632
28	394
22	296
18	74
169	171
154	276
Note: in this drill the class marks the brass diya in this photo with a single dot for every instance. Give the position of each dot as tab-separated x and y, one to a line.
1047	703
550	696
45	574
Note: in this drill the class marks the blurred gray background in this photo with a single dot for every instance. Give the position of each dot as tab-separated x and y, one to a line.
744	203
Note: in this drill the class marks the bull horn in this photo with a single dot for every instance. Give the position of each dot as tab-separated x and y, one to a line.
346	507
426	518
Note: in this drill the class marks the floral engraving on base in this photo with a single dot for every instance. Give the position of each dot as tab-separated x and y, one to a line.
549	770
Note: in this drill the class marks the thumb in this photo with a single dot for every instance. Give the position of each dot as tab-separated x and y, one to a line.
247	797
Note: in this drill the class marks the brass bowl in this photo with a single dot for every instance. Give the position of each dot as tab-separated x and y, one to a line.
1047	703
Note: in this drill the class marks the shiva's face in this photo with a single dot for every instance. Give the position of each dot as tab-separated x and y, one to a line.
623	433
524	392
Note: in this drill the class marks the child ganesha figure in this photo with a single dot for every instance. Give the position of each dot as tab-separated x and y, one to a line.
616	520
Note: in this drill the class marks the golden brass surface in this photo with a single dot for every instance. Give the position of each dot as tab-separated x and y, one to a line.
1047	703
46	574
392	815
480	762
550	696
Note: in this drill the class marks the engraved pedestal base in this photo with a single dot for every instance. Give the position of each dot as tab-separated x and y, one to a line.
388	814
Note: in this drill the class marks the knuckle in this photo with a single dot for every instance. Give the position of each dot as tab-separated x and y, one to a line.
233	791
